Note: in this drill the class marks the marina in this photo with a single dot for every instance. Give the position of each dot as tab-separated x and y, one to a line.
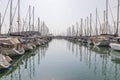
40	40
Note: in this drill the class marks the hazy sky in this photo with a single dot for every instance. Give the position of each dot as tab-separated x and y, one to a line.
60	14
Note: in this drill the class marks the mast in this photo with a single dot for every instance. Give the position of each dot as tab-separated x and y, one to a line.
69	34
87	26
96	22
90	24
29	18
33	20
10	26
18	15
81	26
73	31
41	28
0	23
114	30
100	30
104	29
117	18
38	24
76	29
106	16
23	25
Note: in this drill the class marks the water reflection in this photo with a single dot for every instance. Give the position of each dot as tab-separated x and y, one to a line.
25	65
115	57
104	62
64	60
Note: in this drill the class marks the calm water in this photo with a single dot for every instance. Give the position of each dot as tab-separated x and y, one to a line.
63	60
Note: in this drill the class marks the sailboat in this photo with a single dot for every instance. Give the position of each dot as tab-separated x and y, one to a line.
103	39
4	64
115	44
11	46
26	44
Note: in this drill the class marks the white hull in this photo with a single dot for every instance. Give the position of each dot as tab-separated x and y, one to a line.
4	64
115	46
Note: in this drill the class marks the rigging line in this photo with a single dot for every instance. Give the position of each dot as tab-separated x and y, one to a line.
36	25
14	13
111	12
99	24
5	13
99	20
112	16
92	31
96	31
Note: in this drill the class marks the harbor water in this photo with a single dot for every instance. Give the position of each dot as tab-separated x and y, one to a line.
64	60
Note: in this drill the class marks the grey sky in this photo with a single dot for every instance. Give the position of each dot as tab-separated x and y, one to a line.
60	14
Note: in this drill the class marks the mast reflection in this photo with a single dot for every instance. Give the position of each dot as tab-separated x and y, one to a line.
25	63
98	60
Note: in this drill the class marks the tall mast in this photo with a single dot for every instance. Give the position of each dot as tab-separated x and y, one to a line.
33	20
29	18
73	31
43	28
87	26
106	16
117	18
18	15
99	24
90	24
0	23
23	25
114	30
38	24
81	26
96	22
77	29
10	26
104	29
